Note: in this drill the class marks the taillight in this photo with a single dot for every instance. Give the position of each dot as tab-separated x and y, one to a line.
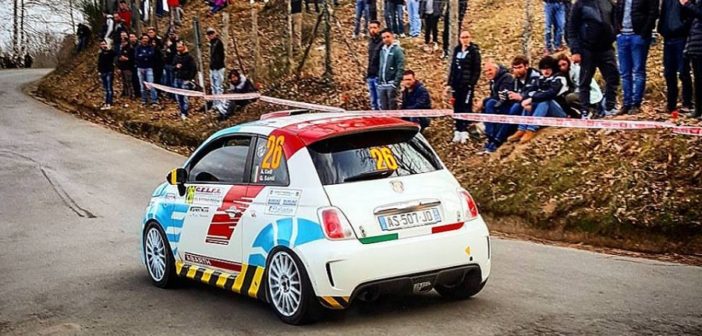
471	209
334	224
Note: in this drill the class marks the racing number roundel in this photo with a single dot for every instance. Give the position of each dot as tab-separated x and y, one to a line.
384	158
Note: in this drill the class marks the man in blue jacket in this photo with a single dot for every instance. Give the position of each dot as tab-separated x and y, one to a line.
144	57
415	97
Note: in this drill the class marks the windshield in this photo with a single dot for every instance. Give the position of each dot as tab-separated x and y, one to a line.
372	155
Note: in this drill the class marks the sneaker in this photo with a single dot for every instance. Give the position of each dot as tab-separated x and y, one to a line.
612	112
444	55
363	35
687	109
103	107
516	136
354	36
402	35
436	47
456	137
155	106
108	107
527	137
125	105
624	110
183	117
634	110
464	137
490	147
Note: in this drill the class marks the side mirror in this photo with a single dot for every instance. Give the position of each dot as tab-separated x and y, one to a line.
177	176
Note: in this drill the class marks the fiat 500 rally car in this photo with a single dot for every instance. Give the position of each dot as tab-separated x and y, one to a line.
317	210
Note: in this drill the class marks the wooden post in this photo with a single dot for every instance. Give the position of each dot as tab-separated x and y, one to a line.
255	74
225	31
454	29
328	75
289	63
198	43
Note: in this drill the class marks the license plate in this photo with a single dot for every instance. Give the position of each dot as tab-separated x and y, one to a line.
409	219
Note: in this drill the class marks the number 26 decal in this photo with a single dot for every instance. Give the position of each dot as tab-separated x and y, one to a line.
274	152
384	158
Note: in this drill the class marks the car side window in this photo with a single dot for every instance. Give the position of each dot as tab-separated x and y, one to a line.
225	162
269	165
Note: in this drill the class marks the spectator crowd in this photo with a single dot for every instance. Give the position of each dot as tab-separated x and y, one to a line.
579	39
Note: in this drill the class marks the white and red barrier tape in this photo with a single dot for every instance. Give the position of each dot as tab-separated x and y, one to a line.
478	117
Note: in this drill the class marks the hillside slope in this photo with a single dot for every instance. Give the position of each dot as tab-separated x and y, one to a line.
637	190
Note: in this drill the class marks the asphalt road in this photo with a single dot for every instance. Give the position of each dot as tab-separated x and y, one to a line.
72	195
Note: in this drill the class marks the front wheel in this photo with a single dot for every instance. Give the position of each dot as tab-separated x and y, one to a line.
289	290
158	257
469	286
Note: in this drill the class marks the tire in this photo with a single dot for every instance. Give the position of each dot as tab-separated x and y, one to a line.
285	275
467	287
158	257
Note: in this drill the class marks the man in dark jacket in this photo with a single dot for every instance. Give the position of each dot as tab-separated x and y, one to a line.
591	33
390	70
674	26
157	42
463	76
184	71
83	34
106	68
216	68
375	43
170	50
415	97
238	83
693	50
125	64
543	98
636	20
497	103
136	87
144	57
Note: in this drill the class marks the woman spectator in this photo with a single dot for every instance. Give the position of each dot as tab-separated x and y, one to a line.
574	106
463	76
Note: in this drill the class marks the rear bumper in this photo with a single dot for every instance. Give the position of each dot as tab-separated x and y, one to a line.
340	271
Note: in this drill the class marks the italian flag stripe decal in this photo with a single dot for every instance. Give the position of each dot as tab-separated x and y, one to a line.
395	236
378	239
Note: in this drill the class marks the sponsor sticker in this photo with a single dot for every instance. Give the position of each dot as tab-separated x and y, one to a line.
283	202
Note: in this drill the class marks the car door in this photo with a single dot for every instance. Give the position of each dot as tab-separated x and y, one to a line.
216	193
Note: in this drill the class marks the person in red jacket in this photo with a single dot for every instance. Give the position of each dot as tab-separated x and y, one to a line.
174	9
126	14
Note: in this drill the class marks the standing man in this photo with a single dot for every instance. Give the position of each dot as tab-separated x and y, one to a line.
170	51
184	71
361	13
463	76
693	50
216	68
174	9
157	43
391	68
674	26
415	96
144	57
591	33
106	68
398	26
125	64
430	11
375	43
125	13
637	19
415	21
555	16
136	86
296	16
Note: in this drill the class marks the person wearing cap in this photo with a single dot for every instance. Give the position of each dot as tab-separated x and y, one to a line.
216	68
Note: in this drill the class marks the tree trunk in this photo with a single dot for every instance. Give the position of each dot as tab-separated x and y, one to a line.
15	28
290	37
73	21
225	30
23	45
255	74
454	29
136	17
198	52
328	75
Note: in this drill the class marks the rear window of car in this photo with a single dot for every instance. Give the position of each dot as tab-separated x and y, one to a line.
372	155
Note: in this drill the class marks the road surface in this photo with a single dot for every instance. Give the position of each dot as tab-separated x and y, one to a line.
72	195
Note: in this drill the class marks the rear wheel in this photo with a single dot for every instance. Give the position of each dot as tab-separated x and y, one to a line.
158	257
470	285
289	290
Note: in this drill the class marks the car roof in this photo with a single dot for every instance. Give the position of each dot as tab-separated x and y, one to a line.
313	127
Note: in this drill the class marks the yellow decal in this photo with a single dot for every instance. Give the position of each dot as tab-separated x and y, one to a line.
468	250
222	280
256	282
384	158
174	176
191	272
274	152
207	275
240	279
190	195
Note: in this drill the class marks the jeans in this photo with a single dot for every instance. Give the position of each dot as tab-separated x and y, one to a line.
398	27
169	76
492	129
554	13
160	11
431	29
127	88
697	72
633	52
217	80
415	21
463	103
147	75
388	9
674	64
606	61
503	131
547	108
106	78
136	86
182	100
361	13
82	44
387	97
373	92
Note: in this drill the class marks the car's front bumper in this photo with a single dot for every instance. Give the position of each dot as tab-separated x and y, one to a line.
341	270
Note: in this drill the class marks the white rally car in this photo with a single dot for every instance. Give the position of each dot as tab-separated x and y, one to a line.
317	210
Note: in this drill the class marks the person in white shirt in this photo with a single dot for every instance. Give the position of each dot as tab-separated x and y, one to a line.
573	98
